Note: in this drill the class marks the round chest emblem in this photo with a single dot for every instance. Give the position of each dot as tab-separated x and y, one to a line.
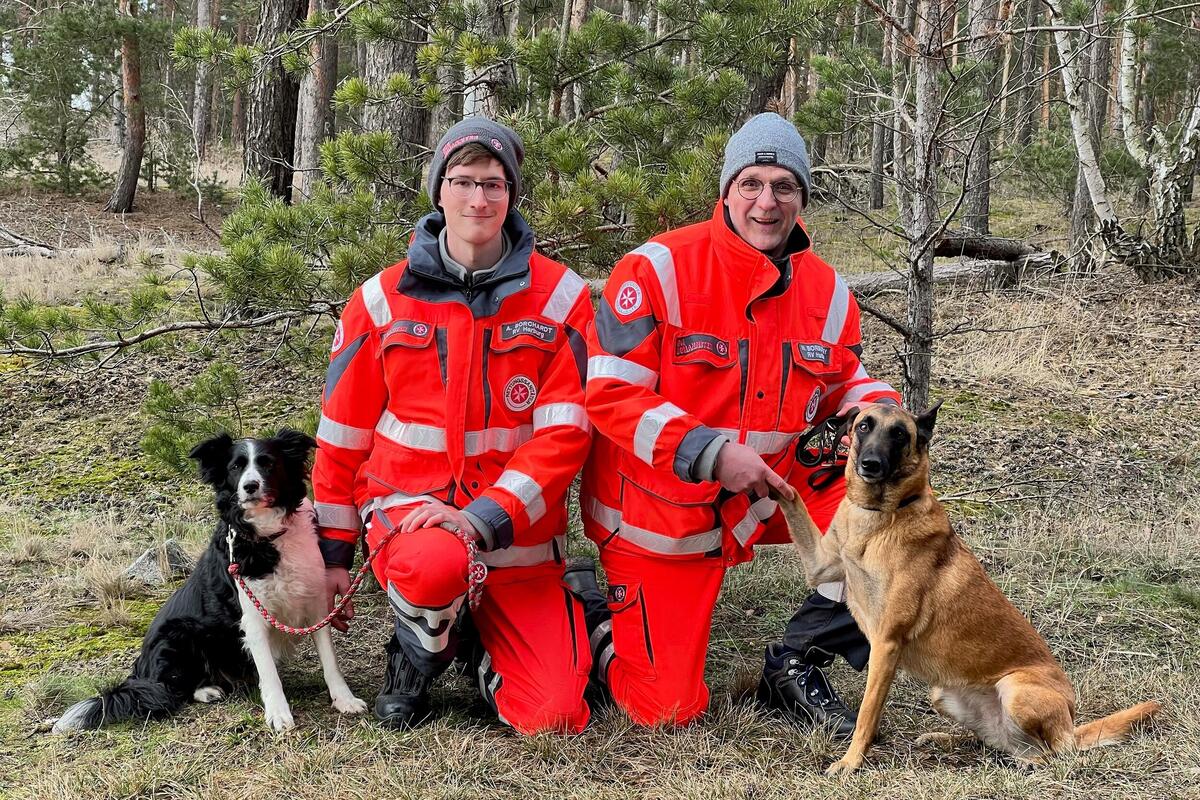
520	393
629	298
810	411
339	337
420	329
722	349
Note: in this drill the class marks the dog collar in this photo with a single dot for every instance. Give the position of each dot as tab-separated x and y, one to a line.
905	502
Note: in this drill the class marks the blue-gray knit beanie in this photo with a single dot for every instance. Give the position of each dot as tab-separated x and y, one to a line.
767	139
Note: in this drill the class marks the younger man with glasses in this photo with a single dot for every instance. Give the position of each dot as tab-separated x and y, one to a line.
453	412
715	347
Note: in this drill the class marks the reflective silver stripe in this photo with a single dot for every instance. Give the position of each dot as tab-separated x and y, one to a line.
552	414
335	515
692	544
835	591
564	296
762	442
393	500
504	440
606	657
769	442
663	262
859	374
527	491
525	556
439	617
839	306
376	301
650	426
602	630
622	370
609	518
863	389
760	511
412	434
484	688
347	436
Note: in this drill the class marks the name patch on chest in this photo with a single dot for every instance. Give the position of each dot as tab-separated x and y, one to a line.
701	342
814	352
527	327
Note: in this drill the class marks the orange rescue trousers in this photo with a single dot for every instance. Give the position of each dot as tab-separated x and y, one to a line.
662	612
536	659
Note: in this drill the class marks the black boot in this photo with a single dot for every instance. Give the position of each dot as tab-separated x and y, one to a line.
802	692
580	578
404	700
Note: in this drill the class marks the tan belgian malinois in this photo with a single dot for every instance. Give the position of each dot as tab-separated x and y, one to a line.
926	605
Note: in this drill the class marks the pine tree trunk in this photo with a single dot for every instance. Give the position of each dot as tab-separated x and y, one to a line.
271	104
629	12
237	115
118	116
121	200
201	95
1026	97
905	10
880	132
408	125
579	12
314	112
918	358
982	50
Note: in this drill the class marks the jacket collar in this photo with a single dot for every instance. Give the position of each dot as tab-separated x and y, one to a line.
736	255
424	256
427	278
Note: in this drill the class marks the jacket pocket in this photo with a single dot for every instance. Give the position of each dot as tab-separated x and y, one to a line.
698	374
515	360
632	640
665	515
809	369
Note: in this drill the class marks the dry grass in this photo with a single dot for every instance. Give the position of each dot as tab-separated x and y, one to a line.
1066	446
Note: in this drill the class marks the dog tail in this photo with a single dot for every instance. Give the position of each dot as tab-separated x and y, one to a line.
1114	728
134	698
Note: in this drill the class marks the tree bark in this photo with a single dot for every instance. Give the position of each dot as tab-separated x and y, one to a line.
1095	97
407	123
121	200
1027	102
982	50
271	104
237	115
201	97
314	111
918	357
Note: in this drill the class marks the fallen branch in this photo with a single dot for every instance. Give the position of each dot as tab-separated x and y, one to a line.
121	342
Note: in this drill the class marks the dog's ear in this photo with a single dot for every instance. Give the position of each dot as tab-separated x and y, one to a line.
213	455
925	422
848	420
295	445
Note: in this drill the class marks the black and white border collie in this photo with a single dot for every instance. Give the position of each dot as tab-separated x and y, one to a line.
209	638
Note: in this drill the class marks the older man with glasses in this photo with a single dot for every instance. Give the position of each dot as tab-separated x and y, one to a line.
452	425
716	348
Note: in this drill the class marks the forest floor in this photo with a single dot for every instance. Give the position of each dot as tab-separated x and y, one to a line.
1066	453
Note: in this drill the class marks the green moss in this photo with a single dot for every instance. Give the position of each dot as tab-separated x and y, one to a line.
26	655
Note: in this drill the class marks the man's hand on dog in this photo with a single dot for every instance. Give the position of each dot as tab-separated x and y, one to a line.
337	583
740	469
433	514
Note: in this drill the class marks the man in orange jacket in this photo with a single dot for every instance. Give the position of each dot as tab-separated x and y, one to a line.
715	347
453	411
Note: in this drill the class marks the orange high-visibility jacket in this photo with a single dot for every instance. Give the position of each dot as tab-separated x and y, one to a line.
470	395
698	335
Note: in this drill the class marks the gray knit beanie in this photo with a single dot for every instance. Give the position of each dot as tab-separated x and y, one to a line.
502	141
767	139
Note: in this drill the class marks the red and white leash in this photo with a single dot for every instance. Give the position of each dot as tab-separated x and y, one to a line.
476	574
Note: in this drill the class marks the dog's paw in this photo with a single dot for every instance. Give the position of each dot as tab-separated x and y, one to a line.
844	766
208	694
280	719
349	704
